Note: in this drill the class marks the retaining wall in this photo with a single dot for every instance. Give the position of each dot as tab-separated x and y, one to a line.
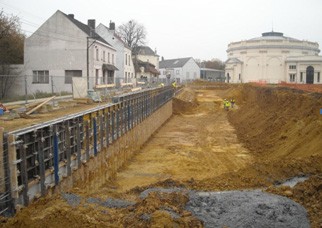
84	150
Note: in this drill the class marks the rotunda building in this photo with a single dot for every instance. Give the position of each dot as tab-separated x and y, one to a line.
273	58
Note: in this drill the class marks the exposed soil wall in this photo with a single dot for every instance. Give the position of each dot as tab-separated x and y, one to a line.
279	122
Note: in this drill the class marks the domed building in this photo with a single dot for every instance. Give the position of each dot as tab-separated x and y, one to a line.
273	58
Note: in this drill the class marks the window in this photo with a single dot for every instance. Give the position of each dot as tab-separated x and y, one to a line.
195	75
40	76
108	57
71	73
188	74
97	55
104	56
301	77
292	67
96	76
177	72
292	77
129	60
238	76
318	79
113	59
125	59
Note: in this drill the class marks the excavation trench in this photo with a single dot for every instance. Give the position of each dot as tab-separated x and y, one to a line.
205	148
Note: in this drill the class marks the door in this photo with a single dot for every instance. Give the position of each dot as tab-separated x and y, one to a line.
309	75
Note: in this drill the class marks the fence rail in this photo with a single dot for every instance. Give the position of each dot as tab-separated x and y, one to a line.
36	158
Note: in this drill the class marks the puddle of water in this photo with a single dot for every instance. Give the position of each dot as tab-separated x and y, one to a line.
293	181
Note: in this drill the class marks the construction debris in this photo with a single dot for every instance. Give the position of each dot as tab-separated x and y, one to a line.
40	105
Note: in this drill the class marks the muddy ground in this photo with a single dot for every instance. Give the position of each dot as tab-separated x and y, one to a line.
271	135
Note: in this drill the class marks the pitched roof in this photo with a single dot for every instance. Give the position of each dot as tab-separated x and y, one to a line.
174	63
233	60
143	50
85	28
115	35
148	67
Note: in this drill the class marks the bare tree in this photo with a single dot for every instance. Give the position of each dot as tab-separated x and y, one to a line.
213	64
132	33
11	50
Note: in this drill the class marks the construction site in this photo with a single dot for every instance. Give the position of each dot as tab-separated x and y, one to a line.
168	158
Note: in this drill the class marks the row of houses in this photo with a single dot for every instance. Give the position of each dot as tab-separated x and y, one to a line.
64	53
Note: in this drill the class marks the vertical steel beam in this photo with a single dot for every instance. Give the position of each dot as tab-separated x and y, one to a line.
107	122
87	123
95	136
56	155
128	115
41	161
9	199
68	149
24	172
117	121
101	123
113	124
78	144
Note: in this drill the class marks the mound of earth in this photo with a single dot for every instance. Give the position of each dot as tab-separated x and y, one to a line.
185	102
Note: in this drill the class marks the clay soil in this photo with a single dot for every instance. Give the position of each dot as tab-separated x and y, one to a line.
45	114
271	135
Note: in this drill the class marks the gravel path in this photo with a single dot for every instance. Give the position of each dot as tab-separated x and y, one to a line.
223	209
246	209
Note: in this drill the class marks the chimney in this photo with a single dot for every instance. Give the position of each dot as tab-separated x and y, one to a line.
112	26
162	59
91	23
71	16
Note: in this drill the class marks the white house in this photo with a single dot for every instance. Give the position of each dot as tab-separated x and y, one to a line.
146	63
181	70
126	73
274	58
64	47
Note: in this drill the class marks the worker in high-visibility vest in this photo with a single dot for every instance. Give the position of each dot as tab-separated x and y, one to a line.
232	102
174	84
226	104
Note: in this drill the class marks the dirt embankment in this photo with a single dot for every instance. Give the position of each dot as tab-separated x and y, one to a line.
282	127
278	123
278	137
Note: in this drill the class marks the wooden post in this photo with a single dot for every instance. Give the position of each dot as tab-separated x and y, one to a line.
38	106
12	153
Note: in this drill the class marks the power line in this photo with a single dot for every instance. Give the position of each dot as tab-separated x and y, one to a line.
51	36
20	10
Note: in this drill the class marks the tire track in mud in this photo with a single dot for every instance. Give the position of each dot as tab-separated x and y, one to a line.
198	144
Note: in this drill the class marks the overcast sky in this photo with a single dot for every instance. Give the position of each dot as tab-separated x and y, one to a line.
181	28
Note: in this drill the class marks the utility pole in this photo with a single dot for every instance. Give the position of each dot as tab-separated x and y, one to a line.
87	59
87	62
